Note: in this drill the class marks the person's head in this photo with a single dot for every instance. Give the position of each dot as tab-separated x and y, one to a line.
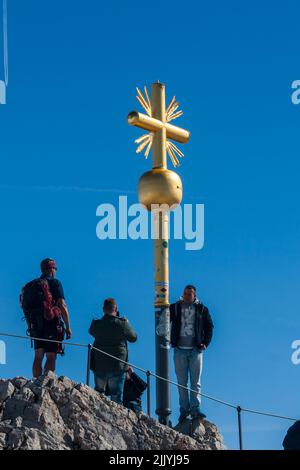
189	294
48	267
110	307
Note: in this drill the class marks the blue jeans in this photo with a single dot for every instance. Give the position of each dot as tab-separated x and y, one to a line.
111	383
188	363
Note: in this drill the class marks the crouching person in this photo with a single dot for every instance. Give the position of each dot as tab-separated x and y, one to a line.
111	334
133	389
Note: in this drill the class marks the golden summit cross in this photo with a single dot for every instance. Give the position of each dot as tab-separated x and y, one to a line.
157	187
157	121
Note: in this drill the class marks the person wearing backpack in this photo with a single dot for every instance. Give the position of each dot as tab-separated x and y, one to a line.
47	316
111	334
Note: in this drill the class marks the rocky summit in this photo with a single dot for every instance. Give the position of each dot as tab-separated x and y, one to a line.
56	413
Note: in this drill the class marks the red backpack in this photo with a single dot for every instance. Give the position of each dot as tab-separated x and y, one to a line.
39	308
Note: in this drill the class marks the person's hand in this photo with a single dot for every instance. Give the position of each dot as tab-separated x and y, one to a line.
128	372
202	347
68	333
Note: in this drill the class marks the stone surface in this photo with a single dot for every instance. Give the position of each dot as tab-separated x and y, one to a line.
6	390
55	413
202	431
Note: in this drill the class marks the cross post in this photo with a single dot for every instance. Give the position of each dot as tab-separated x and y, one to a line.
163	188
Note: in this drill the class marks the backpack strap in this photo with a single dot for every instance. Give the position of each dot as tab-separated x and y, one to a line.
51	311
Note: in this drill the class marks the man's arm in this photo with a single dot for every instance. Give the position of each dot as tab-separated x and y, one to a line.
63	307
66	317
92	329
129	332
208	328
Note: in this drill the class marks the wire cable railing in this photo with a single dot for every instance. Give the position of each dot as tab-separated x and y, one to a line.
150	374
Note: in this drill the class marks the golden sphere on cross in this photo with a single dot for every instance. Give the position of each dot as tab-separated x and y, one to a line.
160	186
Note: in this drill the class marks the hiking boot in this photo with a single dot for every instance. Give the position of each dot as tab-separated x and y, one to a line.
198	414
183	417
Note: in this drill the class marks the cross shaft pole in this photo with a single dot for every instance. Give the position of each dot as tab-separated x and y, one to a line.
161	266
160	186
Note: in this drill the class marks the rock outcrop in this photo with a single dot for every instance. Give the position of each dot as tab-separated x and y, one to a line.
56	413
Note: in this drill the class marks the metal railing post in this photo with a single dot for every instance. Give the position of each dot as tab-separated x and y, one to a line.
88	366
239	410
148	393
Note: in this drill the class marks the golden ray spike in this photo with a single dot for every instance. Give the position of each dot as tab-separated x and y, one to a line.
148	99
170	104
175	116
148	149
143	137
176	149
142	97
170	115
174	105
172	155
142	101
173	109
174	159
142	146
173	152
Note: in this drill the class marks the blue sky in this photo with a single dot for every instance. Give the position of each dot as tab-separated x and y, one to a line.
65	145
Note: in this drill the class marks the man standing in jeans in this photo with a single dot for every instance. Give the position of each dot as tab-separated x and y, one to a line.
111	334
191	333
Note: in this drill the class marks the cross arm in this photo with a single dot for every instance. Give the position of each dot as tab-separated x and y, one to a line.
153	125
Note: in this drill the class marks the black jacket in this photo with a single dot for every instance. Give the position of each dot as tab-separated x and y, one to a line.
111	335
204	325
292	438
133	389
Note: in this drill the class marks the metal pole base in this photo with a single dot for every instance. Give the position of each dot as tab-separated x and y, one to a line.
162	343
164	419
